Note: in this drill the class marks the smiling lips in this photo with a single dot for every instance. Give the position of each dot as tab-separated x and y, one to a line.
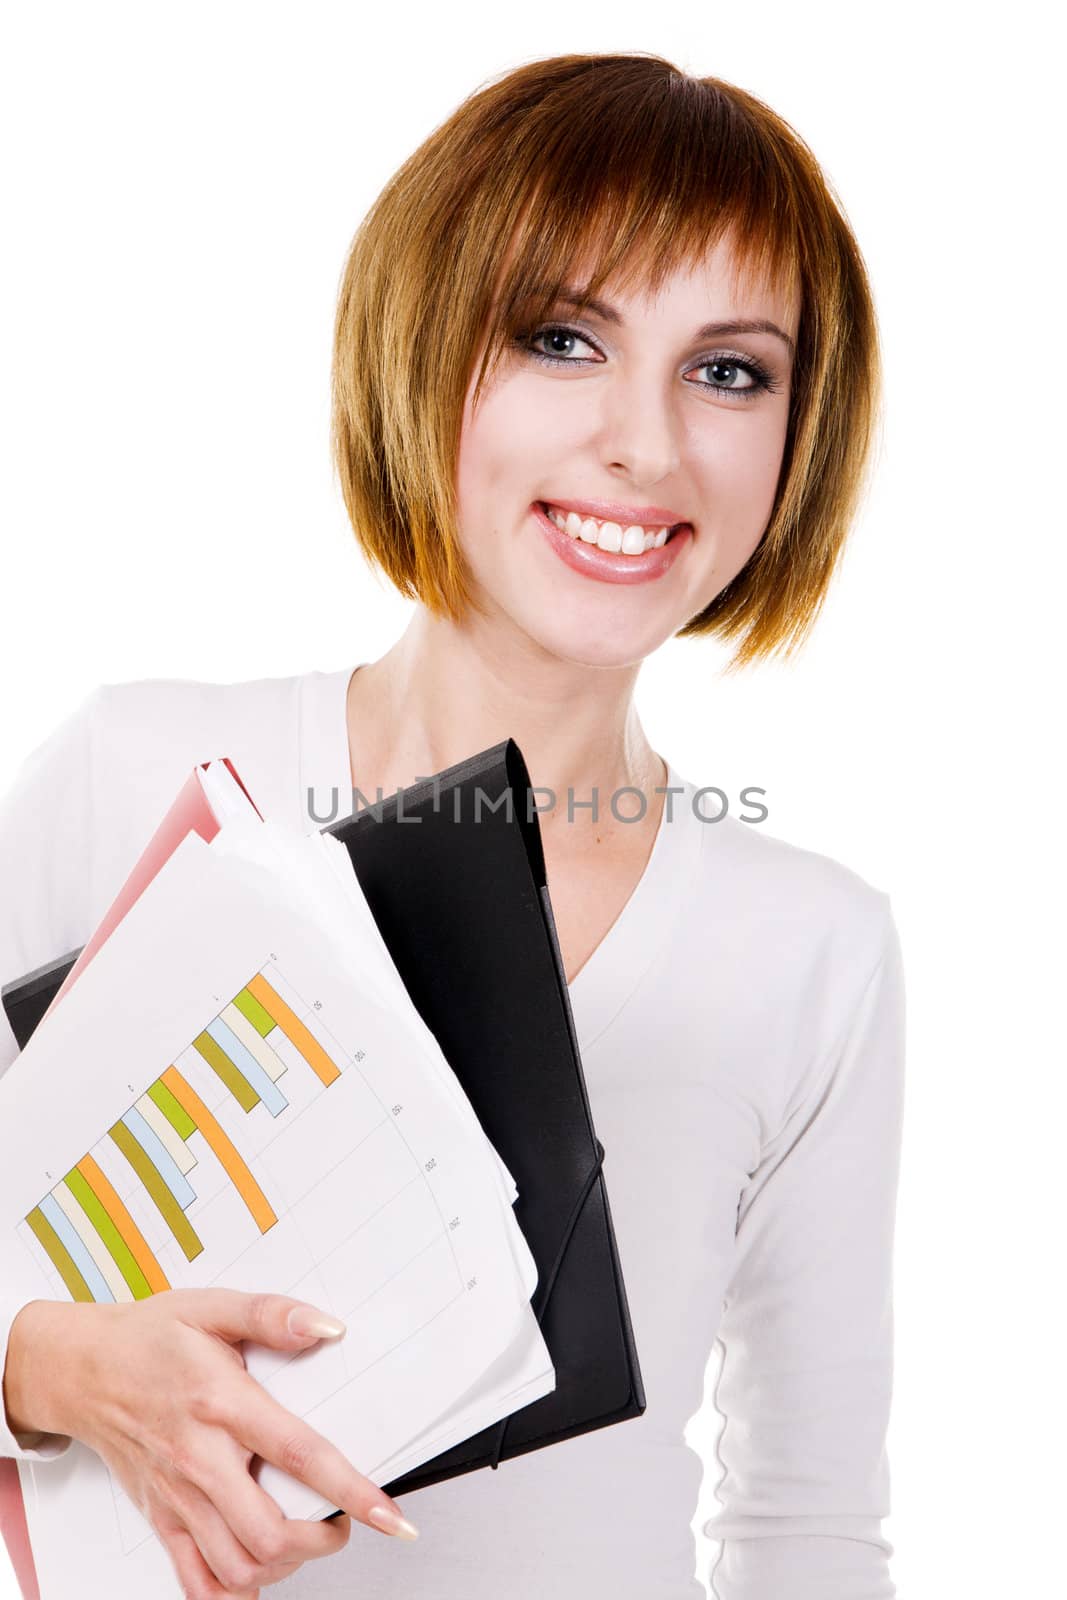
609	549
632	540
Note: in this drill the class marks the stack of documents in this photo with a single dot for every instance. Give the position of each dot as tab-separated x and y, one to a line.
238	1091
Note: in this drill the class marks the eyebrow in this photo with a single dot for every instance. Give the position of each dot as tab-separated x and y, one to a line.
710	330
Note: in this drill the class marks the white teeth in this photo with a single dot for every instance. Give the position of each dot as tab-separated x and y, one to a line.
631	541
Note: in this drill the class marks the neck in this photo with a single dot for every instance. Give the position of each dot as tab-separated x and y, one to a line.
444	691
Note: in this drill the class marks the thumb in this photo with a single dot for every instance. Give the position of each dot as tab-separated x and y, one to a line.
275	1320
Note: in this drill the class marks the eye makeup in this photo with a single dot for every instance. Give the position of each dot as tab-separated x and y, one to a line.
760	379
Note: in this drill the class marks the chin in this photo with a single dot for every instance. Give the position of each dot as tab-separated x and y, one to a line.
602	626
599	645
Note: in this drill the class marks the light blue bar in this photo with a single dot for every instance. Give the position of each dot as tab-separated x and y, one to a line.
248	1066
77	1249
160	1157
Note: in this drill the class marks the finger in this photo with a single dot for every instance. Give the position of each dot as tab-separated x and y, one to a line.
270	1431
197	1580
275	1320
229	1561
255	1519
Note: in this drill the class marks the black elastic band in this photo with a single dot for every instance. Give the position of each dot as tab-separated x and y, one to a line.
544	1290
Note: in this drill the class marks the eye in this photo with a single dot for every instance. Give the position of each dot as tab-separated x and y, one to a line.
725	374
738	377
743	377
560	341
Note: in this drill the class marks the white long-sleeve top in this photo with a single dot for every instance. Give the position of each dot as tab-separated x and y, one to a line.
741	1030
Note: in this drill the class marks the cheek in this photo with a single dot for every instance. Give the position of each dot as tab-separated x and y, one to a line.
740	467
510	442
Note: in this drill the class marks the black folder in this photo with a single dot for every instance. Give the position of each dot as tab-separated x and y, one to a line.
454	873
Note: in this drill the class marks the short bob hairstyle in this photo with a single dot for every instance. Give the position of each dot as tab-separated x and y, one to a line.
627	163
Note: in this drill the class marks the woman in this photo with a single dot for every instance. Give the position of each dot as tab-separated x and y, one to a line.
605	373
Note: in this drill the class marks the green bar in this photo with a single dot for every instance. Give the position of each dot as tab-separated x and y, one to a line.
260	1019
61	1257
176	1115
161	1194
235	1081
89	1200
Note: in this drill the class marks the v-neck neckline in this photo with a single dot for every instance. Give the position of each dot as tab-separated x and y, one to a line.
607	979
605	982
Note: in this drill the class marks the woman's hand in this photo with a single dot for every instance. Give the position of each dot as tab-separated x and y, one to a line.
159	1391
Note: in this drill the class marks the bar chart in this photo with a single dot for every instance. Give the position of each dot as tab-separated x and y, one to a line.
112	1228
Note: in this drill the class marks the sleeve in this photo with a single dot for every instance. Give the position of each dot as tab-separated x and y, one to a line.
806	1332
45	868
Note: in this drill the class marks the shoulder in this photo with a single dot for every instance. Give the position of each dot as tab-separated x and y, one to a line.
160	711
152	730
782	945
799	883
165	709
88	797
815	925
128	746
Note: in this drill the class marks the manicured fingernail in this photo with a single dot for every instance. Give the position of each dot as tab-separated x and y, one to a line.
312	1324
392	1522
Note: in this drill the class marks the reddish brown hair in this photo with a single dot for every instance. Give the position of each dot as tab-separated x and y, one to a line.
627	162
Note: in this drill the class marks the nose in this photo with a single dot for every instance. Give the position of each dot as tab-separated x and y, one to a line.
640	430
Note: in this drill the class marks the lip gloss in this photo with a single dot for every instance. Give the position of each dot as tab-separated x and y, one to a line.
593	562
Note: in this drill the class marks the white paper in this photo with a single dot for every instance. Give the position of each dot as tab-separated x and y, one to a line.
359	1179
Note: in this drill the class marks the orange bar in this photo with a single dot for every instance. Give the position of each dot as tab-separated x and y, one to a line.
240	1176
131	1233
290	1024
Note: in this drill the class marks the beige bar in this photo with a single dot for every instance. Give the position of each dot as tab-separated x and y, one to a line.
253	1041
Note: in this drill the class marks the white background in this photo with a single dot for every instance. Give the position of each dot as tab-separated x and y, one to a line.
181	184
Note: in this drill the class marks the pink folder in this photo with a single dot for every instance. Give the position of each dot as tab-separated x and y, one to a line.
190	813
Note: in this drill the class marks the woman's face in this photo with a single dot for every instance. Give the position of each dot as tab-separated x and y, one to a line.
641	414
